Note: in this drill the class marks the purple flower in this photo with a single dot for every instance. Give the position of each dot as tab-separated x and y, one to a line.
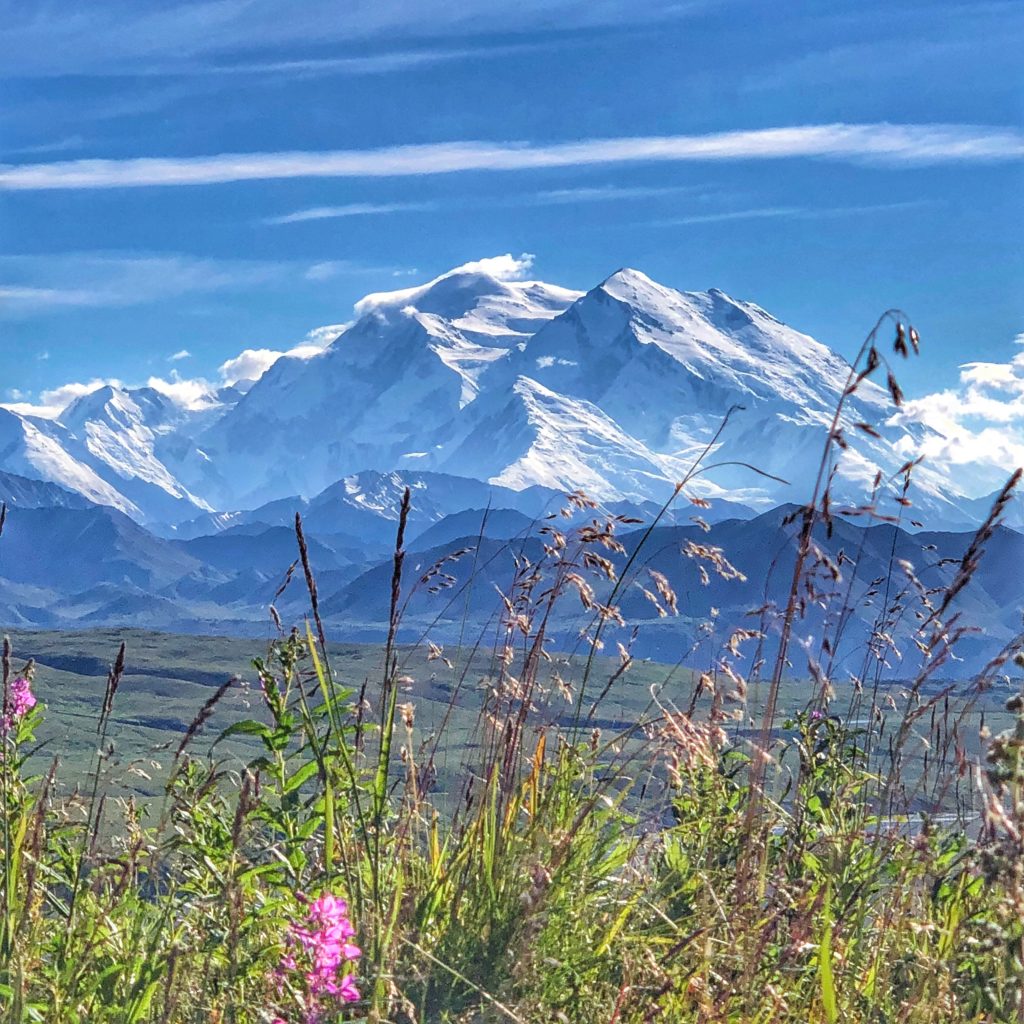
817	716
348	991
319	951
20	701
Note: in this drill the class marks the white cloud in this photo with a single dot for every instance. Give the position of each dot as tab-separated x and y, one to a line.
178	356
795	212
886	144
329	269
977	427
504	268
128	36
367	64
348	210
189	393
56	146
323	336
52	402
606	193
67	280
254	362
30	297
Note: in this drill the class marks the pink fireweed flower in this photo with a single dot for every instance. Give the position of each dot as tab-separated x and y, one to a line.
348	991
20	701
319	951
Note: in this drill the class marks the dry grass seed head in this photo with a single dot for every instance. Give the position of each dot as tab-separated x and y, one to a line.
665	591
715	557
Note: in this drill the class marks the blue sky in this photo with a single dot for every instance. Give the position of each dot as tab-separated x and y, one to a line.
219	175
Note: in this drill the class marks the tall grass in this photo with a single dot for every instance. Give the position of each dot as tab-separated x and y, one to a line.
706	863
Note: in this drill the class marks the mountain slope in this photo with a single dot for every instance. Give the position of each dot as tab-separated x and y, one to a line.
71	549
537	436
365	507
24	492
128	437
63	567
616	390
38	449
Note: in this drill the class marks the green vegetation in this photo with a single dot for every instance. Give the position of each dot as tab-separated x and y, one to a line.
169	677
557	892
519	835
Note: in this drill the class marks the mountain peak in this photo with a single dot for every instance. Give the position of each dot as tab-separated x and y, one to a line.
111	401
104	393
635	289
626	282
92	403
627	275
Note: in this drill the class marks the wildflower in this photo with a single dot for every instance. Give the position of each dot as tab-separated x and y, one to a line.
20	701
817	716
320	950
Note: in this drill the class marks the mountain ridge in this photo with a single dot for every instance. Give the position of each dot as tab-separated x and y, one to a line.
70	568
514	383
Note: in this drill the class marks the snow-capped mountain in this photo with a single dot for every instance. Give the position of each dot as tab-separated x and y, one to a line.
516	383
40	449
388	392
114	446
665	366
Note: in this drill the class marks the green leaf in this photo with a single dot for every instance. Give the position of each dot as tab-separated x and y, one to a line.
301	777
246	728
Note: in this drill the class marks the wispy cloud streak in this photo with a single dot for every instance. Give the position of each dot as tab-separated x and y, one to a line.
368	64
117	36
552	197
348	210
894	145
605	194
32	284
795	212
